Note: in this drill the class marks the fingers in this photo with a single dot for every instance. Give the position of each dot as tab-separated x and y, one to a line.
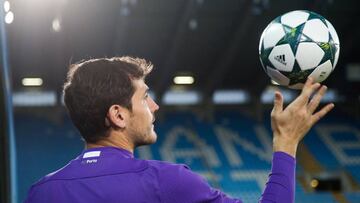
317	116
307	84
314	103
307	90
278	103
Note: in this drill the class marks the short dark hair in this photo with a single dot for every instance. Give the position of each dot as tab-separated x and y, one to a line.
93	86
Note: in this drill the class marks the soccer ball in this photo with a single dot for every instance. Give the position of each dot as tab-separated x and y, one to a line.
297	45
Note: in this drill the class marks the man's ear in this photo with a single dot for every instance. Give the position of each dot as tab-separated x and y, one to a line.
117	116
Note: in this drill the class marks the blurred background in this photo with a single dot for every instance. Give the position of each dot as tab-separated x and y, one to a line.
215	99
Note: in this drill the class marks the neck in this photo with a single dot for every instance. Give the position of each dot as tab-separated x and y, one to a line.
112	141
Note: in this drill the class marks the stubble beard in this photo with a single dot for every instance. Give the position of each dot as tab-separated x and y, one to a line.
147	137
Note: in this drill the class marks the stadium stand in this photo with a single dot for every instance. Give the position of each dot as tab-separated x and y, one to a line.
232	151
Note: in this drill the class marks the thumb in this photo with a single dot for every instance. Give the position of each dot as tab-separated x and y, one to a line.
278	102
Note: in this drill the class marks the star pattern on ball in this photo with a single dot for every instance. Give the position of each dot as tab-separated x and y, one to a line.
293	36
297	75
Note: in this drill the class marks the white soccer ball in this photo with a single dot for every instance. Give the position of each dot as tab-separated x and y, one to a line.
297	45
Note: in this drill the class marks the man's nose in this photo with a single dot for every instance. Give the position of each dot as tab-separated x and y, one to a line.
154	106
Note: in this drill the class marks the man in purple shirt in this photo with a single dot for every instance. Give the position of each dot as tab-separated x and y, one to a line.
108	102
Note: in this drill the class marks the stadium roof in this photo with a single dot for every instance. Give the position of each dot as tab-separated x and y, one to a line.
216	42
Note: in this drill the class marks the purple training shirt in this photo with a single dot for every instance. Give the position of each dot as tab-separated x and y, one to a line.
110	174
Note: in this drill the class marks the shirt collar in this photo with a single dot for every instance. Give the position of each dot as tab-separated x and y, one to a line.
122	152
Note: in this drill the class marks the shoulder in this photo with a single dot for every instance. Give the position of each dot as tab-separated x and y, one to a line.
51	176
41	187
174	174
167	170
164	165
178	183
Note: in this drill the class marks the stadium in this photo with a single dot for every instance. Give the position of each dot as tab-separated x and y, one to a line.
215	98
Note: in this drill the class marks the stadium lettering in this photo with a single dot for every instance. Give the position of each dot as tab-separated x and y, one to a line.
199	151
228	140
341	140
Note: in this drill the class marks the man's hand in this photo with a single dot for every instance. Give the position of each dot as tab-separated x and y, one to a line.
290	125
